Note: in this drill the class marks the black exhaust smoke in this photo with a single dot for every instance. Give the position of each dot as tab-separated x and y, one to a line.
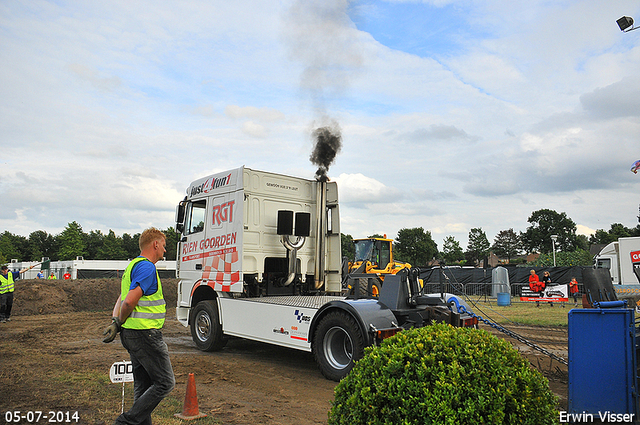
327	144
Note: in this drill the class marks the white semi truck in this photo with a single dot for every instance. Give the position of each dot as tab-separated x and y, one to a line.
622	258
260	258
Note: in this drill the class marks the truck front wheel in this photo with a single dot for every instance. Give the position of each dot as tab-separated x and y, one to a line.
338	343
206	330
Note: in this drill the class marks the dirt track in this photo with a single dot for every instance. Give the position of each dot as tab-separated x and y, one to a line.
54	341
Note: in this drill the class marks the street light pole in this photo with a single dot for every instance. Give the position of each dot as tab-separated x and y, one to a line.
554	238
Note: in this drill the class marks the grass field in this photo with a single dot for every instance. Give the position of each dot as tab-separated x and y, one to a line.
525	313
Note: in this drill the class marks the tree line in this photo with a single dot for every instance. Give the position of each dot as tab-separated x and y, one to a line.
417	247
73	242
413	245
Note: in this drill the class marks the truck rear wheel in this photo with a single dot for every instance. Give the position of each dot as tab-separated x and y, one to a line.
206	330
338	343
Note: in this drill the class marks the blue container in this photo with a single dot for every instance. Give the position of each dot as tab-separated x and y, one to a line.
504	299
602	361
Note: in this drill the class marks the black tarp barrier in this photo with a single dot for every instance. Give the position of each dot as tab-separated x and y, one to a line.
560	275
477	281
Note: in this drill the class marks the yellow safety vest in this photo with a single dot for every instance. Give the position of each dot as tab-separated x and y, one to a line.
6	283
150	311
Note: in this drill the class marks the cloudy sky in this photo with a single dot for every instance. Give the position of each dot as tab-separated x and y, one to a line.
454	114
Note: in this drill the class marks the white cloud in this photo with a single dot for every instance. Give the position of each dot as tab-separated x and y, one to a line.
254	130
109	110
489	72
92	76
259	114
360	189
620	99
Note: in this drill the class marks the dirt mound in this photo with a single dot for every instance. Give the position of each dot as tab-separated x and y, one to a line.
66	296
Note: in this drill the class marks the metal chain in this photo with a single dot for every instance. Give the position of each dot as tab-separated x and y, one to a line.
462	309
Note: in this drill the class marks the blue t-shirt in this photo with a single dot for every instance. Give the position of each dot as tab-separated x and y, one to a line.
144	275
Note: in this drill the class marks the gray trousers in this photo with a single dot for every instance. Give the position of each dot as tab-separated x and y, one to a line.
153	376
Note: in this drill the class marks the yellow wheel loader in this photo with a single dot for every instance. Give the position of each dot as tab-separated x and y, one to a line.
373	261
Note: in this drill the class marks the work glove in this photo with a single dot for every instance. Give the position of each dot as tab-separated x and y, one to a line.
112	330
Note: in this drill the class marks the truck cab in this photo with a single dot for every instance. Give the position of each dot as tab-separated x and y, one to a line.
259	257
609	258
622	258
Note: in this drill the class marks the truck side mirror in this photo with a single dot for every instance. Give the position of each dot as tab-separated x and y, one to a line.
180	209
303	224
285	222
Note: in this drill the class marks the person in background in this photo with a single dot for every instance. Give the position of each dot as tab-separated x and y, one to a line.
52	276
546	281
535	285
7	287
40	275
66	275
573	290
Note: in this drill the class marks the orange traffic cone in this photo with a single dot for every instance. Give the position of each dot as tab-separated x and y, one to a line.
190	408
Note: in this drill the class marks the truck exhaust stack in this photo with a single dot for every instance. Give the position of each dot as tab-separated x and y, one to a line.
320	232
328	142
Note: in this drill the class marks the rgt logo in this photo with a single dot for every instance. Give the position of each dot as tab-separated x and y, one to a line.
300	317
223	212
635	257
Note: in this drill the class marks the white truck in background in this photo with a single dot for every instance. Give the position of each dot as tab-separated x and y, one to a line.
260	258
622	258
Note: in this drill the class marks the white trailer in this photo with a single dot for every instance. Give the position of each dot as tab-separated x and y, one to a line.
260	258
88	269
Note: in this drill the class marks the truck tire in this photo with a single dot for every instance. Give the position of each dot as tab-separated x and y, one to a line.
206	330
338	343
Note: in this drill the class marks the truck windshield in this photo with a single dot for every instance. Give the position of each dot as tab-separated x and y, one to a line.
603	263
364	249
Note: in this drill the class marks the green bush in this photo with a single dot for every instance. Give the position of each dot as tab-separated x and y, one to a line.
443	375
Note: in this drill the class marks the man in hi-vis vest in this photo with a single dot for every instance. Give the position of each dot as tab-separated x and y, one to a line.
139	315
7	286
